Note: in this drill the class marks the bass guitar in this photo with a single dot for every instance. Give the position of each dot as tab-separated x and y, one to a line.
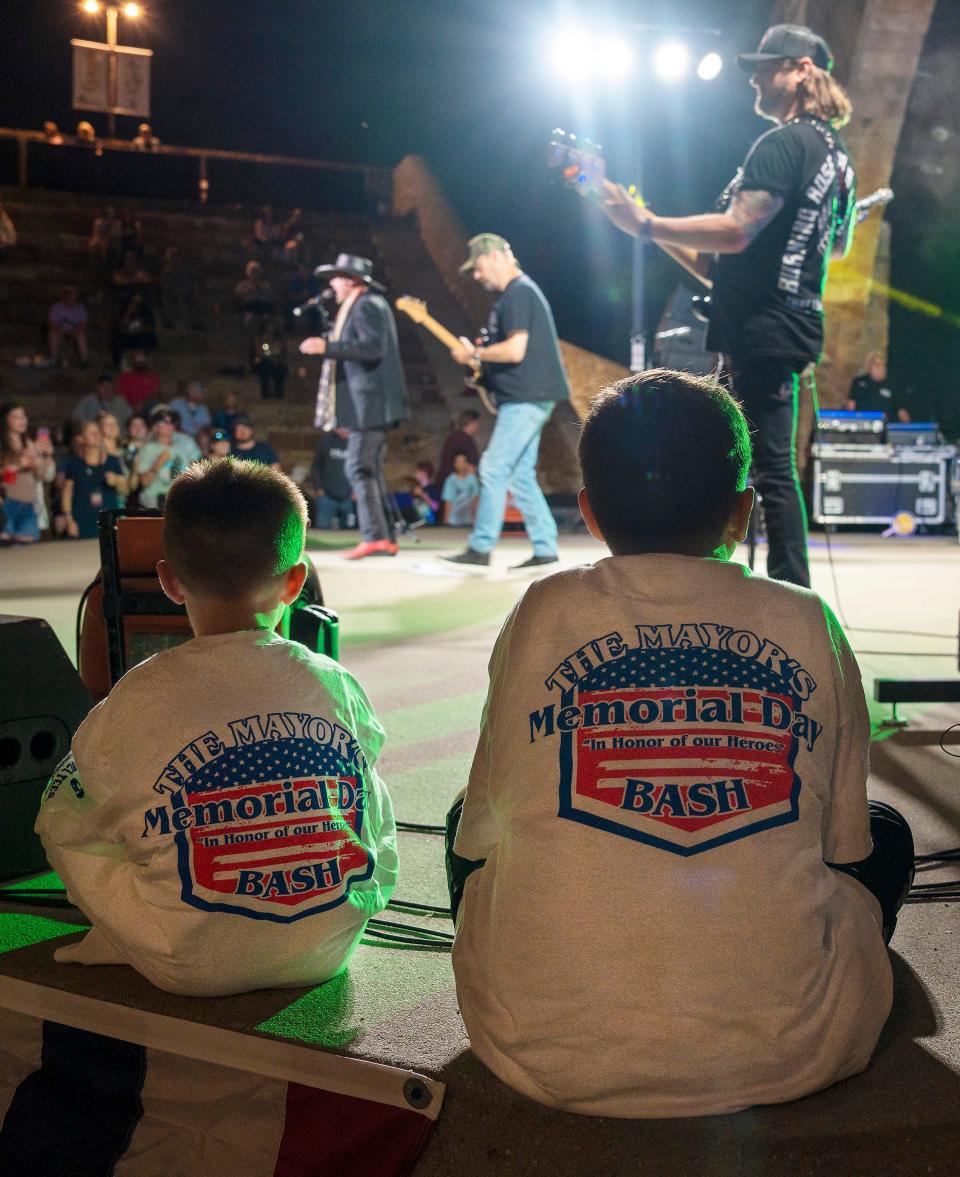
582	166
416	308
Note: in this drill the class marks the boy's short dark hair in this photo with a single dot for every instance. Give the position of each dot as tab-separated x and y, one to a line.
663	455
230	526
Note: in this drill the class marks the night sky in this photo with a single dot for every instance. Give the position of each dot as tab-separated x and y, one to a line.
462	82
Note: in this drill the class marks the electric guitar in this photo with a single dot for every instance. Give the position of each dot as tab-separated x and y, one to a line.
582	166
416	308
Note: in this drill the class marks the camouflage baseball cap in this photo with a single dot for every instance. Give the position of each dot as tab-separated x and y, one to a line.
481	244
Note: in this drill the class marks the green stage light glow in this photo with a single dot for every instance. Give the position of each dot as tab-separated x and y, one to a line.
20	931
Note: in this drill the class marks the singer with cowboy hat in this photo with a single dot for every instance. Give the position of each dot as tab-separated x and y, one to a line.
362	390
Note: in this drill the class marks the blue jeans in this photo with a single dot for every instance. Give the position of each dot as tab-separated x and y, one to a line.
510	463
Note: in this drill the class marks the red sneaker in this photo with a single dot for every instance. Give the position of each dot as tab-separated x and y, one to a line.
372	547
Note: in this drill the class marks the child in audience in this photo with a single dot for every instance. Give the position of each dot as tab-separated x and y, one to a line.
219	818
672	904
461	489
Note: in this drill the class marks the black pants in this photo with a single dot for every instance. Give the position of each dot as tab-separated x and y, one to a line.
364	469
887	873
458	869
767	388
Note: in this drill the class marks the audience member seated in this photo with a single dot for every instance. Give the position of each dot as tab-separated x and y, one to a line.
134	326
191	410
67	322
51	134
86	136
179	291
233	541
253	295
111	437
303	286
93	481
104	400
245	444
159	460
139	386
328	486
424	493
103	243
219	444
461	489
225	417
27	466
185	445
666	728
267	234
268	359
144	140
461	440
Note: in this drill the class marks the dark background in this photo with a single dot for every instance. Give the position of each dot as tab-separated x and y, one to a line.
465	84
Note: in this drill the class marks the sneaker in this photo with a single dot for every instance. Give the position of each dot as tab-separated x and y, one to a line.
469	556
534	562
372	547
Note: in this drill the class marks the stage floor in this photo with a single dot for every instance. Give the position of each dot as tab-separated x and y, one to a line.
418	633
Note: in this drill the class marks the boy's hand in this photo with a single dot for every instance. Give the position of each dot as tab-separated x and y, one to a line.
161	461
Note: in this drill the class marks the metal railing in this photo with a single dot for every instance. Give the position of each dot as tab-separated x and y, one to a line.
115	167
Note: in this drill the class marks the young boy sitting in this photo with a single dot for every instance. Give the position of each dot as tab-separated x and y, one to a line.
219	818
669	778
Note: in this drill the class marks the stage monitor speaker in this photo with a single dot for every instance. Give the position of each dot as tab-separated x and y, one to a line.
42	704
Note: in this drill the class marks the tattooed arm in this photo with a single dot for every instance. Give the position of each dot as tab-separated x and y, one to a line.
729	232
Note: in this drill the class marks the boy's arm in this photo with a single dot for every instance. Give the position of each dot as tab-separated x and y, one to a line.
846	822
479	830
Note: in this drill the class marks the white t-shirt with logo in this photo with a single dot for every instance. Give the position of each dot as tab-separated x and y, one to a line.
220	821
671	752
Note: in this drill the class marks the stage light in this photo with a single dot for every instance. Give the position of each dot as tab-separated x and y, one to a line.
91	6
670	60
614	57
710	66
569	52
131	10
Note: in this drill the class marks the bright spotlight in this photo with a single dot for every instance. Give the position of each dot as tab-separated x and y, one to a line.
569	52
614	57
710	65
91	6
671	59
131	10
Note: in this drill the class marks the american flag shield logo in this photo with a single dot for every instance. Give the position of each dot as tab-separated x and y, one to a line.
683	749
272	830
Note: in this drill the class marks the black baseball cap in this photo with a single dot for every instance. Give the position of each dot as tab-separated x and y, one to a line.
781	41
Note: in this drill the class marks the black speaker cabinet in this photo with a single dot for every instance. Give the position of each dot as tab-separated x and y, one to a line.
42	703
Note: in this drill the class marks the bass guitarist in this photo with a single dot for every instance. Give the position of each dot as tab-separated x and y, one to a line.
524	371
790	210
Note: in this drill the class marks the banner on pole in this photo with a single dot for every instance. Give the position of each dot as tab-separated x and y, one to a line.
91	78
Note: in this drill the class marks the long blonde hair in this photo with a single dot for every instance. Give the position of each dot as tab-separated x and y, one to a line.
822	96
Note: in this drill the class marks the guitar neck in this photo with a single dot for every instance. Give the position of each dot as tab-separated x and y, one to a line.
438	331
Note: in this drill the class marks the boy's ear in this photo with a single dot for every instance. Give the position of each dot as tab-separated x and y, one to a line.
739	521
169	583
293	582
589	518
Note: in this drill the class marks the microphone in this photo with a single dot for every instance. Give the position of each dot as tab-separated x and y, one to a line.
316	301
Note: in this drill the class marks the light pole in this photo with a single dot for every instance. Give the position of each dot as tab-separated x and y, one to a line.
112	9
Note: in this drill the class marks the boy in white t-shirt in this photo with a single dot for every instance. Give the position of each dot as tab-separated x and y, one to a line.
219	818
671	903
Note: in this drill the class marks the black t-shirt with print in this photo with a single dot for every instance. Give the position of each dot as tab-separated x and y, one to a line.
872	396
539	376
260	451
767	301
